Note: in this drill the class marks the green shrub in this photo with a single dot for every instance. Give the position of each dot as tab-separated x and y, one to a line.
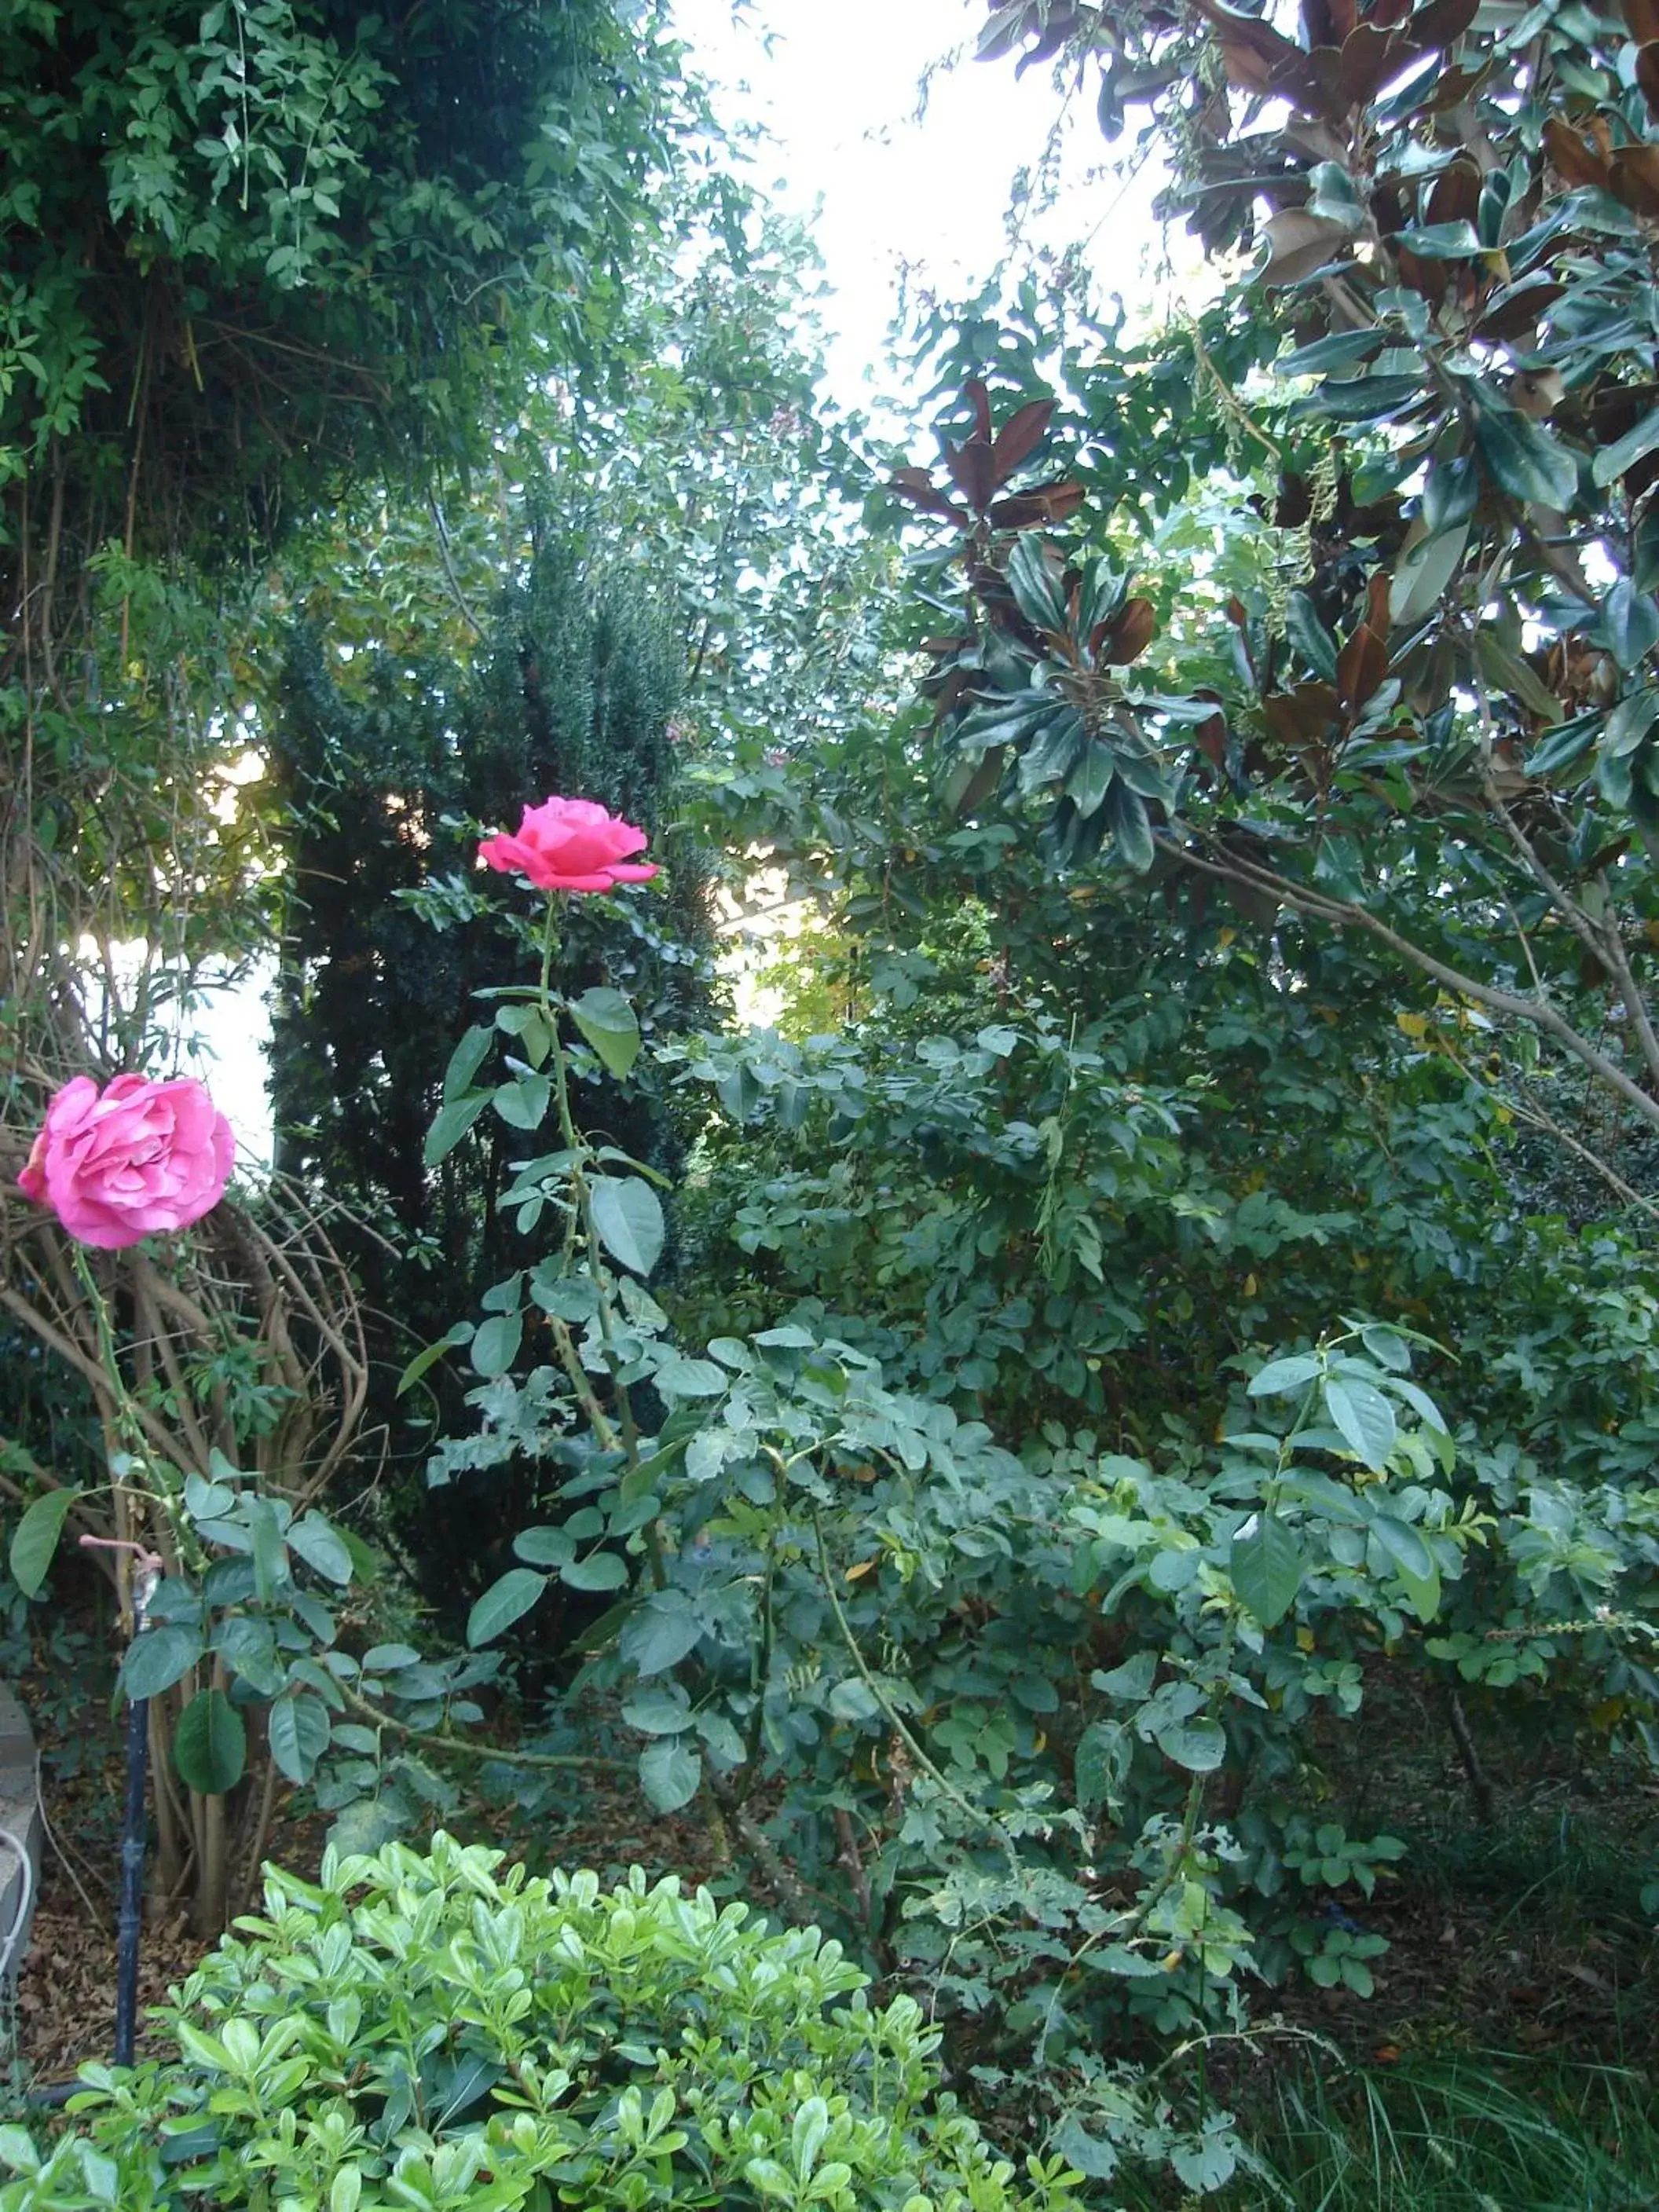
435	2032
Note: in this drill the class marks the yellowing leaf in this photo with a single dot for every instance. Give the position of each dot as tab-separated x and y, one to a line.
1414	1026
863	1568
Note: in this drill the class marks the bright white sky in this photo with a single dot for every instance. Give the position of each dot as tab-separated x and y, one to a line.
837	83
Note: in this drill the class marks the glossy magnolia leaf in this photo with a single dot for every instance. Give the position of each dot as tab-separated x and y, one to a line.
465	1061
607	1021
1309	636
210	1744
158	1659
1035	583
36	1537
1362	1416
1341	349
1360	399
1635	446
1450	493
1054	749
451	1124
1125	816
1333	196
1521	457
1628	723
671	1773
1565	746
299	1729
507	1599
1299	243
1091	776
1442	241
628	1217
1267	1566
1506	671
1630	623
1423	576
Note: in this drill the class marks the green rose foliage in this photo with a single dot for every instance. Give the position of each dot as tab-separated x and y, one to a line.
441	2031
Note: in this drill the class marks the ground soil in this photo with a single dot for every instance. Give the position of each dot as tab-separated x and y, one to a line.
1521	1932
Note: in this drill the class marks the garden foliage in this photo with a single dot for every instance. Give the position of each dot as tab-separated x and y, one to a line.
992	1461
434	2032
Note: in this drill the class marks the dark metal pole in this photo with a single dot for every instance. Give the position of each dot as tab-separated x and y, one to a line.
131	1920
129	1926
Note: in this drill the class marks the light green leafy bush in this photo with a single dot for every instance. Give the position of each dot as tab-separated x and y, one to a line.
437	2031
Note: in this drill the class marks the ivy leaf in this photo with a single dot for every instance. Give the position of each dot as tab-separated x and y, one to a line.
671	1773
507	1599
628	1216
36	1537
209	1745
608	1022
1267	1565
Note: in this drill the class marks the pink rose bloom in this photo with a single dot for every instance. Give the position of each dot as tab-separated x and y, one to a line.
570	845
139	1156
